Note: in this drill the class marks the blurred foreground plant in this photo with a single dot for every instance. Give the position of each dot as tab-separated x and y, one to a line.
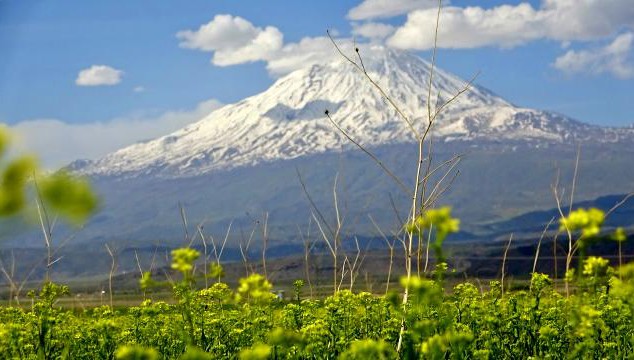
70	196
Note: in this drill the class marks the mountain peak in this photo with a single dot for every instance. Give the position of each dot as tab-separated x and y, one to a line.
287	120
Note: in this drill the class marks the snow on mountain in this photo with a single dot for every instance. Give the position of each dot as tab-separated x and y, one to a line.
287	120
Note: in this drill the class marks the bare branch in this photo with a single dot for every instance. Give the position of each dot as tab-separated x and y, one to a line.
464	89
323	234
619	204
371	155
375	84
574	179
111	274
506	250
312	203
539	243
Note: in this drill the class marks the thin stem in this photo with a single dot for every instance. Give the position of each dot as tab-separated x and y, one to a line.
111	274
265	238
376	85
427	248
202	238
574	179
506	250
389	172
539	243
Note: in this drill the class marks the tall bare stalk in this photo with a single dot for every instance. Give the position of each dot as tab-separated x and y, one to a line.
111	274
138	264
506	250
390	246
244	250
420	198
308	247
572	245
427	248
265	239
555	254
539	243
333	240
359	258
9	275
205	256
46	226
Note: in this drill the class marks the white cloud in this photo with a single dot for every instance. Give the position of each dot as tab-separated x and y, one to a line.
233	40
587	19
58	143
370	9
99	75
372	30
261	47
139	89
293	56
512	25
615	58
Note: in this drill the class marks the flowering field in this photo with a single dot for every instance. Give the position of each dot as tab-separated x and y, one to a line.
593	321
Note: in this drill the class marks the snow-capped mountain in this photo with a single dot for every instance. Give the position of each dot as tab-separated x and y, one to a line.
243	160
287	120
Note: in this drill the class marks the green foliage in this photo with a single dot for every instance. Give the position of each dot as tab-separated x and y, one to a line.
369	349
69	196
439	345
193	353
224	323
539	283
218	322
298	285
4	139
136	353
257	352
14	178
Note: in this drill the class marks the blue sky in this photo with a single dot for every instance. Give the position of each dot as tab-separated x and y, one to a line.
81	78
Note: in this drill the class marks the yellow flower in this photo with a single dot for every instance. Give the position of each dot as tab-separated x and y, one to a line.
587	221
146	280
619	235
595	266
440	219
255	288
183	259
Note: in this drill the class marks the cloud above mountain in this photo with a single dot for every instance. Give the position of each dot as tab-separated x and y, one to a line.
614	58
513	25
234	40
372	30
372	9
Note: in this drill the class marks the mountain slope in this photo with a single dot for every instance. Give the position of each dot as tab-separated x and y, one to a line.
287	120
